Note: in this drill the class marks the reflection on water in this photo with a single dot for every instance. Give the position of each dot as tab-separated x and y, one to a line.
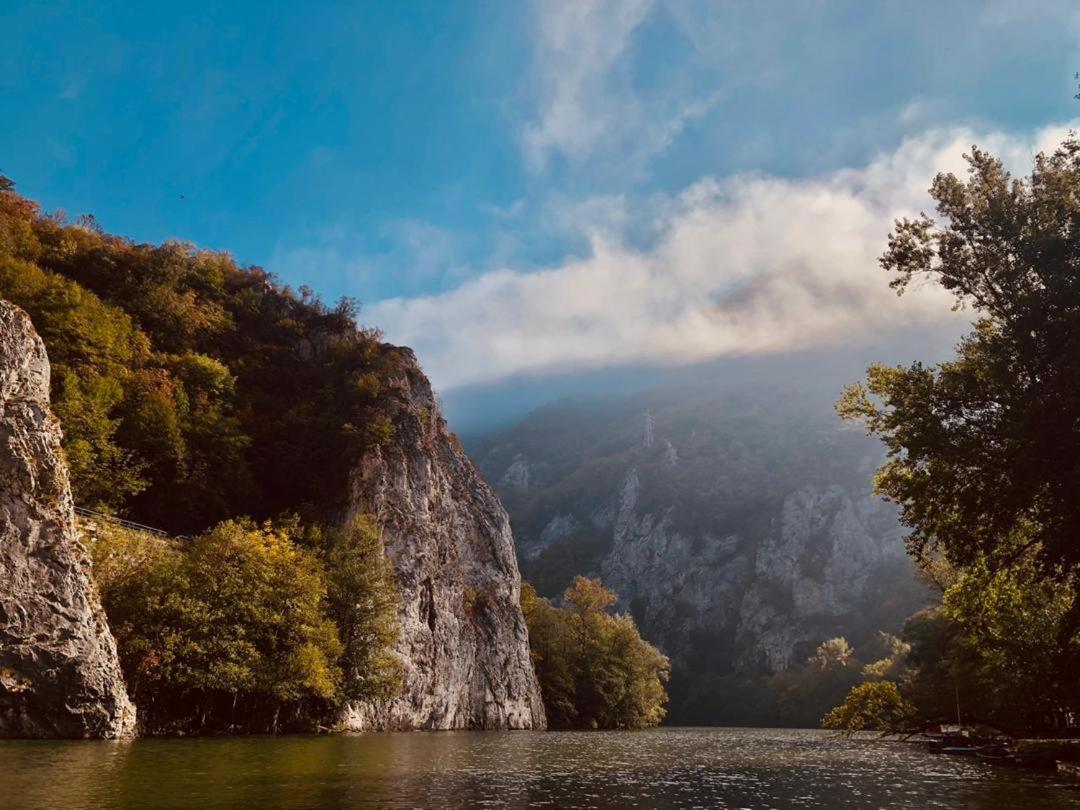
725	768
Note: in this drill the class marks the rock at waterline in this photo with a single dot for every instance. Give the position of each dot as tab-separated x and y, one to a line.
59	672
463	643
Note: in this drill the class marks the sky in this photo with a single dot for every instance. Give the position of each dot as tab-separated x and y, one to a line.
553	189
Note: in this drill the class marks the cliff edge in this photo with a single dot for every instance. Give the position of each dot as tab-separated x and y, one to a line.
59	672
463	642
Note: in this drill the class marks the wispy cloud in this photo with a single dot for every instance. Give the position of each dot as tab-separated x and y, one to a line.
589	105
581	45
743	265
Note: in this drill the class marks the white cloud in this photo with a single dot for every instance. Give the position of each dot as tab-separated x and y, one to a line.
744	265
587	104
579	45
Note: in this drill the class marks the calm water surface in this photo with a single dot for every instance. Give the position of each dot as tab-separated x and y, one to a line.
724	768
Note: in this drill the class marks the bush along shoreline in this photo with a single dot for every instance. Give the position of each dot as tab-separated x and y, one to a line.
248	628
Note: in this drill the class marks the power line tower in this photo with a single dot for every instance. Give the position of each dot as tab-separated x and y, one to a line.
648	428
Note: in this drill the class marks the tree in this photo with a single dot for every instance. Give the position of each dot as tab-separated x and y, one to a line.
595	670
555	666
833	654
221	631
1011	647
872	705
984	450
362	601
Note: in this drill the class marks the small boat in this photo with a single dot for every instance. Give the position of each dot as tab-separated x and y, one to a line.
999	755
1069	769
969	750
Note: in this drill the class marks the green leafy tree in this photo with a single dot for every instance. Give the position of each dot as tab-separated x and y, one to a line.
92	347
1012	648
595	670
555	667
984	451
362	601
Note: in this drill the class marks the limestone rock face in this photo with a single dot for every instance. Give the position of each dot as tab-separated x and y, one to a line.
740	531
815	567
59	672
463	640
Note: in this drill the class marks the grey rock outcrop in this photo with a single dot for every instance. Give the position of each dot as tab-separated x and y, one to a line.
740	539
464	643
813	569
59	672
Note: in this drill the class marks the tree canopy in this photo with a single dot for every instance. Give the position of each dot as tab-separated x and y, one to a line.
595	670
984	455
231	628
191	389
984	450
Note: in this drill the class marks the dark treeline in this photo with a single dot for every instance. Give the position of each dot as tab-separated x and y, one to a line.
984	458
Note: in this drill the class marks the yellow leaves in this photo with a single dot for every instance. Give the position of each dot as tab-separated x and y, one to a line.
873	705
244	610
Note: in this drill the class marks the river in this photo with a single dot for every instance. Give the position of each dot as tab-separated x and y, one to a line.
667	767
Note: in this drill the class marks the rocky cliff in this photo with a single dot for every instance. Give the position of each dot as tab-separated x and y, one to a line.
59	673
463	641
738	528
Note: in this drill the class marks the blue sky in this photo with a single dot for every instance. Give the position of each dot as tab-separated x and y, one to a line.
536	188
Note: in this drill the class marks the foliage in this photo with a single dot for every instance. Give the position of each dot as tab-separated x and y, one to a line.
990	653
872	705
238	624
1011	647
362	601
832	654
893	664
984	451
595	670
191	389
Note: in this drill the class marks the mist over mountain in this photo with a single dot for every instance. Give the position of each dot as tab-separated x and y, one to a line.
732	511
476	412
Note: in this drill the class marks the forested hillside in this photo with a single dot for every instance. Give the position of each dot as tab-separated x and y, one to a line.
190	389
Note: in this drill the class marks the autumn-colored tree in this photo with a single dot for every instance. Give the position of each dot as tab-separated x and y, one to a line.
190	389
223	631
872	706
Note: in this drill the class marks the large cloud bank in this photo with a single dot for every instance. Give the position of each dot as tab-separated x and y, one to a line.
745	265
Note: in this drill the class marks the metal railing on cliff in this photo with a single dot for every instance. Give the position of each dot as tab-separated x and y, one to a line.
127	524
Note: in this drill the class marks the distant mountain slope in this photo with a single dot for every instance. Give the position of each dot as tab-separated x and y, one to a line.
740	538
